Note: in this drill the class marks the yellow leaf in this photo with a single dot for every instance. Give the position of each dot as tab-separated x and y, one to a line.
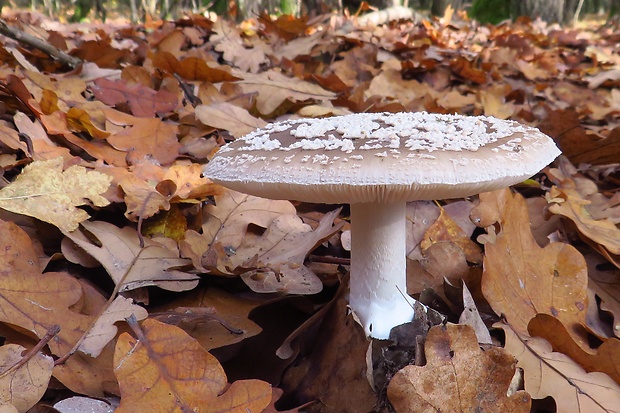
45	192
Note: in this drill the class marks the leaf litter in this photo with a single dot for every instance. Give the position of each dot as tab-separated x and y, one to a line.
106	161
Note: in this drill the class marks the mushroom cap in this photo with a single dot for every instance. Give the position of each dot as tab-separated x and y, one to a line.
381	157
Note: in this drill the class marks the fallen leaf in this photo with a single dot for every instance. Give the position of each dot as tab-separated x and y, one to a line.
42	147
44	191
214	317
248	56
282	249
164	369
192	68
605	359
471	317
547	373
446	229
119	251
227	221
35	302
145	196
458	376
575	141
23	385
569	198
104	330
234	119
143	101
605	283
144	139
521	279
273	89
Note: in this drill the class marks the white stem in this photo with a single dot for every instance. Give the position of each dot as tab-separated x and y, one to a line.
378	294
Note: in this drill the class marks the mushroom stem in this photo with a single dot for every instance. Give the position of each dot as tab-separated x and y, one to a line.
378	291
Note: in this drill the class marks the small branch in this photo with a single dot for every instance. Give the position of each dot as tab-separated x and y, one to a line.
38	43
51	332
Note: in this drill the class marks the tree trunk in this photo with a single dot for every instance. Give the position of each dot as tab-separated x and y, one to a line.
547	10
614	9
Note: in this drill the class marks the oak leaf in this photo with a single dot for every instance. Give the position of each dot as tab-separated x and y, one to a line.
214	317
446	229
192	68
521	279
458	377
103	330
227	221
143	101
144	139
547	373
262	239
604	281
133	266
223	115
45	192
572	198
35	302
147	194
246	55
42	147
606	358
279	254
274	89
23	385
164	370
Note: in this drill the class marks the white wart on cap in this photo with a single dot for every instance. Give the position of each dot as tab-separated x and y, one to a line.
376	163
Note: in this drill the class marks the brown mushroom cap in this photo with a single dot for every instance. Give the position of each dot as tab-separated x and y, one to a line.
384	157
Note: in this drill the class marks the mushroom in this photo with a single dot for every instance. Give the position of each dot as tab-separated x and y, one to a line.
376	162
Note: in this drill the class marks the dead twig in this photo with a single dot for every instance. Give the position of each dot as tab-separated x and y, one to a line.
45	47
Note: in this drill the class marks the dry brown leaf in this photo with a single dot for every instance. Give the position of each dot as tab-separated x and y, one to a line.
390	84
244	233
282	250
119	251
246	55
494	103
273	89
164	370
192	68
234	119
571	197
44	191
554	374
521	279
446	229
35	302
143	101
23	386
605	359
577	143
146	195
605	283
144	139
471	317
458	377
214	317
227	221
104	330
